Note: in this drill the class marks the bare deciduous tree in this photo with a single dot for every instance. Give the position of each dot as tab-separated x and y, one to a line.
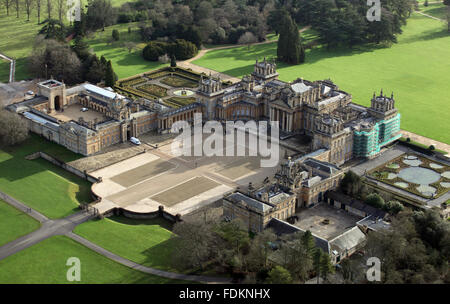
247	38
7	5
13	130
28	7
61	6
38	8
130	46
17	7
49	9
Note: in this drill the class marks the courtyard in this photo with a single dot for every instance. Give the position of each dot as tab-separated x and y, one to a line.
325	221
73	112
181	184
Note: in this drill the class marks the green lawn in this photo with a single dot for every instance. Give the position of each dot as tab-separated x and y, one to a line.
45	263
146	242
125	64
39	184
437	10
416	69
14	223
18	35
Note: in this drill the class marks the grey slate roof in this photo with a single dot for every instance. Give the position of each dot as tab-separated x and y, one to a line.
237	197
349	239
281	227
322	166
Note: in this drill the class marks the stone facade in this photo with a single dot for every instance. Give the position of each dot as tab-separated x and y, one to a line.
318	109
258	207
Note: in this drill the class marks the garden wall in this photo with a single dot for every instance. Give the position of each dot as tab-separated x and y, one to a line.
149	215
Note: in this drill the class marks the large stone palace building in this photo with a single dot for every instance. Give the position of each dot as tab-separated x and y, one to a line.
338	127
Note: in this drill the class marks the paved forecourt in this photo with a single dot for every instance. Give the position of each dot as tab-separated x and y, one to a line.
179	183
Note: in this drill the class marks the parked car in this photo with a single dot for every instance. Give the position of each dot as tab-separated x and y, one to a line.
30	93
135	141
84	109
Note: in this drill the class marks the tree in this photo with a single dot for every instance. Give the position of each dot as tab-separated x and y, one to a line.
153	50
173	61
326	266
38	9
193	244
110	78
447	15
13	129
115	35
351	183
393	207
80	47
94	70
130	46
296	255
279	275
7	5
247	38
289	48
414	250
375	200
55	58
61	5
259	250
17	7
28	7
53	29
49	9
99	14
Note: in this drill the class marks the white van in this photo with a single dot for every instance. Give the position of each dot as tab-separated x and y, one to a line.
135	141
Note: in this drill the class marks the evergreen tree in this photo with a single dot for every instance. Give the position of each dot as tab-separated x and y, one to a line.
326	266
279	275
289	47
109	75
80	47
115	35
173	61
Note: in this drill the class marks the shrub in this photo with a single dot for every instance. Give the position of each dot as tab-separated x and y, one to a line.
115	35
431	147
153	50
279	275
375	200
393	207
408	139
181	49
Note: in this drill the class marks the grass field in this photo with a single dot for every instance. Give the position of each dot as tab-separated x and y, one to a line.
416	69
14	223
146	242
39	184
125	64
18	35
45	263
437	10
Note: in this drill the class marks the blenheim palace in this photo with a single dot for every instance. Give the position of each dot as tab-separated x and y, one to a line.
319	109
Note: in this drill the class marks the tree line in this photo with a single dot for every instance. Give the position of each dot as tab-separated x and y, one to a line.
228	247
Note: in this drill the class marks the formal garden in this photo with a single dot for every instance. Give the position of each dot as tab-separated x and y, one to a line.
172	86
415	174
